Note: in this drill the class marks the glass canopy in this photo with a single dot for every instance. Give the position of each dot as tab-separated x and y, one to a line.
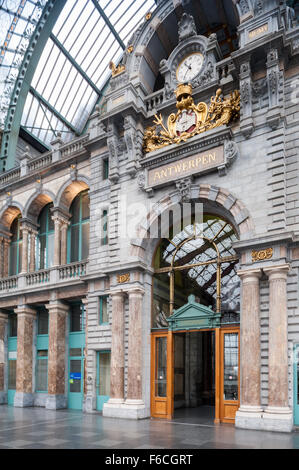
73	69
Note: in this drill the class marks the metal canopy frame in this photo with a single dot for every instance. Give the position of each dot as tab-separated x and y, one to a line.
77	39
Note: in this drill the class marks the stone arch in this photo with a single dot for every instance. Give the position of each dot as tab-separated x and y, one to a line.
35	204
8	213
216	200
69	190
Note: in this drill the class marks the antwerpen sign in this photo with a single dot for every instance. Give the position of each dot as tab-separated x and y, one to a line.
198	163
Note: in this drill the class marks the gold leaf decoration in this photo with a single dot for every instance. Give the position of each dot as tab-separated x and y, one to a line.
191	119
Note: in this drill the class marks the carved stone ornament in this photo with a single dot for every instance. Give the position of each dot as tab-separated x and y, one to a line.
273	82
191	119
244	6
187	27
259	7
261	255
141	180
245	92
259	87
231	151
184	186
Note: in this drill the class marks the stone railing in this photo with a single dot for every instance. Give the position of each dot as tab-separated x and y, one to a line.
9	283
51	276
10	176
38	277
74	146
30	165
40	162
153	101
73	270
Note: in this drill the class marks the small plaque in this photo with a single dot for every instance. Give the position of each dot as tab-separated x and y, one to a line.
258	31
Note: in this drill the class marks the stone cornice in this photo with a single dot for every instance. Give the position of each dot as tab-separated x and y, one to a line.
285	238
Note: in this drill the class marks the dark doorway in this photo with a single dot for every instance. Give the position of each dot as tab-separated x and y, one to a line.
194	377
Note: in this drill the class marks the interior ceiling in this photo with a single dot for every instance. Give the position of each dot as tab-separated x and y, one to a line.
73	69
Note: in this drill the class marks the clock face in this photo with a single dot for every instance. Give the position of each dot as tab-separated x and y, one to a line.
190	67
186	122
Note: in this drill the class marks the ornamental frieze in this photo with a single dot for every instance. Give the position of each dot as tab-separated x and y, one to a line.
191	119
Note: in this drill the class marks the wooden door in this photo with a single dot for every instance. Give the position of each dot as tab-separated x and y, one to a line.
229	374
162	375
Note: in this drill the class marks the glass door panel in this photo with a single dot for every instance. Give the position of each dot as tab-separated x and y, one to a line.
296	384
75	394
103	378
161	372
229	388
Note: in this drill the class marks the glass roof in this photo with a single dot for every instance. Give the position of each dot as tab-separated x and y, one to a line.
73	69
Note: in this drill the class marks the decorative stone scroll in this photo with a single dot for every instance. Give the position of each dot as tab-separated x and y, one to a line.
261	255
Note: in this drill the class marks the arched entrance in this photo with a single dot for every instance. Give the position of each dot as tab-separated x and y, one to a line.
195	322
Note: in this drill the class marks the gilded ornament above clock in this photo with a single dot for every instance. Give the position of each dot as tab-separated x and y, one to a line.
191	119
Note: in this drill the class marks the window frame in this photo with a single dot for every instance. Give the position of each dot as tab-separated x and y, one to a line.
79	224
48	232
101	299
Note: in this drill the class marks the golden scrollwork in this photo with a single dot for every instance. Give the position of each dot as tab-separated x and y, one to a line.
116	70
121	278
191	119
261	254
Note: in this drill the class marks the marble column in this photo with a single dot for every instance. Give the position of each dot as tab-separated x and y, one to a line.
278	415
57	234
24	386
64	227
57	397
6	244
33	235
25	238
250	411
1	257
134	387
111	408
3	334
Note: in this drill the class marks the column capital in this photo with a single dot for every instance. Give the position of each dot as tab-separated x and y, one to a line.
277	272
250	275
117	293
135	292
3	316
25	310
57	305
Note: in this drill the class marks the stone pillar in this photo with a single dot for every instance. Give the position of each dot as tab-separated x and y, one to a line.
111	408
33	235
64	228
57	355
134	388
24	388
25	237
6	244
57	225
278	415
1	257
250	412
3	326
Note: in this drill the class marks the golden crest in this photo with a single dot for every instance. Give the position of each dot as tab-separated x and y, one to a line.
191	119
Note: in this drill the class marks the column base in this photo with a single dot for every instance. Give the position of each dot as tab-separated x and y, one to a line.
23	400
89	404
130	409
249	417
278	419
3	398
56	402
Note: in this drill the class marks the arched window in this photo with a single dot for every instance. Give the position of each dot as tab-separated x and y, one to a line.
45	239
78	234
201	261
15	252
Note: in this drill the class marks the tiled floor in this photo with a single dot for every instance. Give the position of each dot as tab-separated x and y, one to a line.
37	428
